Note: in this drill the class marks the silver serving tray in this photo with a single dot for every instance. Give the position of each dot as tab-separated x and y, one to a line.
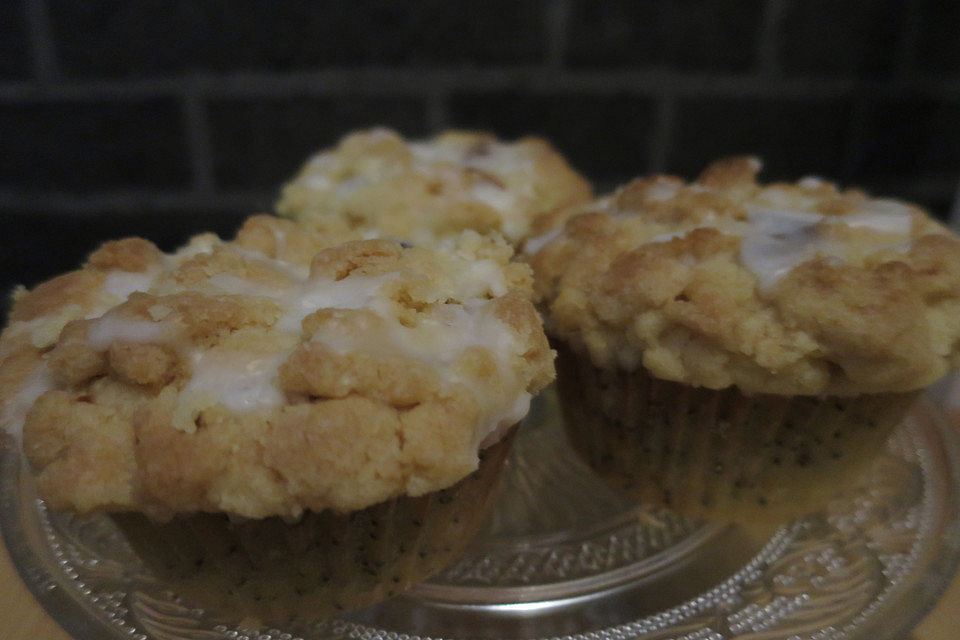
563	556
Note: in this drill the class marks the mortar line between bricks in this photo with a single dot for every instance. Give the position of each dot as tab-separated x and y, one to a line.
128	200
134	201
531	80
197	131
659	149
556	20
43	49
768	38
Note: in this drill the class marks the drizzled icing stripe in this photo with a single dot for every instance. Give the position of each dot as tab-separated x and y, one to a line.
244	381
777	240
118	286
439	341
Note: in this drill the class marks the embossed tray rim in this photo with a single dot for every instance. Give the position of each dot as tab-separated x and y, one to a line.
578	587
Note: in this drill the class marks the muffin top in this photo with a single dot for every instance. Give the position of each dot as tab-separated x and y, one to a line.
376	184
269	375
780	288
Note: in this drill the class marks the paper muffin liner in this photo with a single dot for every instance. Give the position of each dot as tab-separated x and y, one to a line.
275	572
720	454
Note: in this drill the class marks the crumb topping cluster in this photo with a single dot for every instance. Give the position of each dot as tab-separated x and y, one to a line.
780	288
376	184
269	375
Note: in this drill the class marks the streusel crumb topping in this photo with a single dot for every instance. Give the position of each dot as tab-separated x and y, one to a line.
780	288
376	184
269	375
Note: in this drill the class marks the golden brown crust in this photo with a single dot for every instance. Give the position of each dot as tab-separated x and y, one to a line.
232	381
78	288
281	239
375	182
781	288
130	254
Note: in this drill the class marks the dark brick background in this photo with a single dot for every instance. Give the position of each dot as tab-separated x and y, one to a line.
258	143
577	124
929	129
814	130
14	56
45	242
696	35
937	48
88	146
160	37
165	118
852	37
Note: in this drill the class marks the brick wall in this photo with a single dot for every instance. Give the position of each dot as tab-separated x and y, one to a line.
166	117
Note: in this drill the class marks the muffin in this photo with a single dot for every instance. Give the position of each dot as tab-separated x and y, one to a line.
281	429
737	350
376	184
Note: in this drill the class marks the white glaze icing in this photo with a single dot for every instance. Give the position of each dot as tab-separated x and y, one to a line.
502	420
292	269
667	237
45	330
235	285
322	161
240	381
348	187
439	340
777	197
197	245
118	287
426	154
352	292
880	222
533	245
15	410
306	296
123	284
513	222
443	161
772	258
882	215
494	196
778	240
279	239
661	190
317	181
498	158
811	182
887	206
479	277
112	328
767	221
